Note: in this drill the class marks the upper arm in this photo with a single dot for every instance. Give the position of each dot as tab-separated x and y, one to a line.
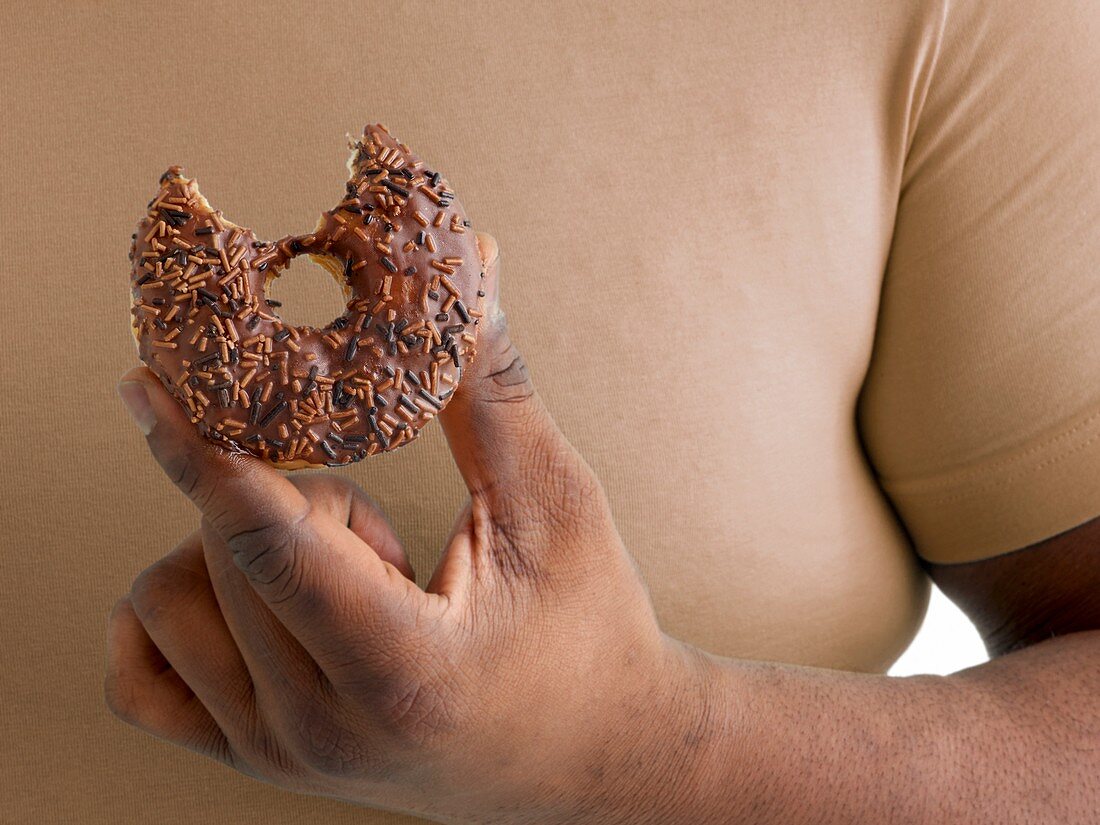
1048	589
980	412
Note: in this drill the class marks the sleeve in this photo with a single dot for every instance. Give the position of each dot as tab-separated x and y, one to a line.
980	411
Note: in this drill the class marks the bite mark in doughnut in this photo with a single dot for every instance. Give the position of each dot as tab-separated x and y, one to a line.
298	396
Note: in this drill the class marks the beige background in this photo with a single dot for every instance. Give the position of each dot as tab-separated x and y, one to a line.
696	204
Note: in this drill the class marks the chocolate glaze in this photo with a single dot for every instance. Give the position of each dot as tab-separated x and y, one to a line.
301	396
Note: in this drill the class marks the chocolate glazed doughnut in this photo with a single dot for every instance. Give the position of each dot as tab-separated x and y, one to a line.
297	396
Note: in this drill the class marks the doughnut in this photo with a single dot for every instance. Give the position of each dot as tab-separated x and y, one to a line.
400	246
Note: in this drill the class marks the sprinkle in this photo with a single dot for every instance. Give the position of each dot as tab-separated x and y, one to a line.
273	413
197	295
393	187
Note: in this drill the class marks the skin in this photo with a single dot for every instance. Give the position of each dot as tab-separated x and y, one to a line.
530	682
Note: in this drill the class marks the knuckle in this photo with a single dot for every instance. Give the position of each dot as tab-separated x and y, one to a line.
272	555
197	470
414	706
502	374
328	494
156	587
579	493
325	743
410	695
573	497
253	748
119	694
183	470
415	712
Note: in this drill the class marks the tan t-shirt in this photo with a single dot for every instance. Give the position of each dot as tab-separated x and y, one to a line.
809	284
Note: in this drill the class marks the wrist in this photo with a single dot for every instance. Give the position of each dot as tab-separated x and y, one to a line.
662	761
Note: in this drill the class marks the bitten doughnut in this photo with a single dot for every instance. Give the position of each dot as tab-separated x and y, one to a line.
297	396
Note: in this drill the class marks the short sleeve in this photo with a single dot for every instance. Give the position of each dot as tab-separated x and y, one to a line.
980	412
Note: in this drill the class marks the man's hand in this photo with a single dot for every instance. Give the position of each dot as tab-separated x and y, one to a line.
288	639
530	682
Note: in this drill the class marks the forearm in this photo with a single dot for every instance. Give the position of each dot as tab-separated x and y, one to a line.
1015	740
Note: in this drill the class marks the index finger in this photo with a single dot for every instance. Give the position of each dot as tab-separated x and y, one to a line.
239	495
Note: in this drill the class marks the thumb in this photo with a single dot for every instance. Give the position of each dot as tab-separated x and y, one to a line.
507	447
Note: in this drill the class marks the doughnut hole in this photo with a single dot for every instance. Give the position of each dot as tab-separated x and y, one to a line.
312	295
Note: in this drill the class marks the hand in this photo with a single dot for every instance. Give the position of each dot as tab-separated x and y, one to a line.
287	638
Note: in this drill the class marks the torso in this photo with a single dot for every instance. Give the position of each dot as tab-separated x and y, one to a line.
712	199
708	189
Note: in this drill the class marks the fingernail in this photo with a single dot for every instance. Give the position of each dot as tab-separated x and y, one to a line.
136	399
488	248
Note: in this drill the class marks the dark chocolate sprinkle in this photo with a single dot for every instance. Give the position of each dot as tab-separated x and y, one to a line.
272	413
393	187
431	399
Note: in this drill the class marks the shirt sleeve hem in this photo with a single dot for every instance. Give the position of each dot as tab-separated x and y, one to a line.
1010	501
